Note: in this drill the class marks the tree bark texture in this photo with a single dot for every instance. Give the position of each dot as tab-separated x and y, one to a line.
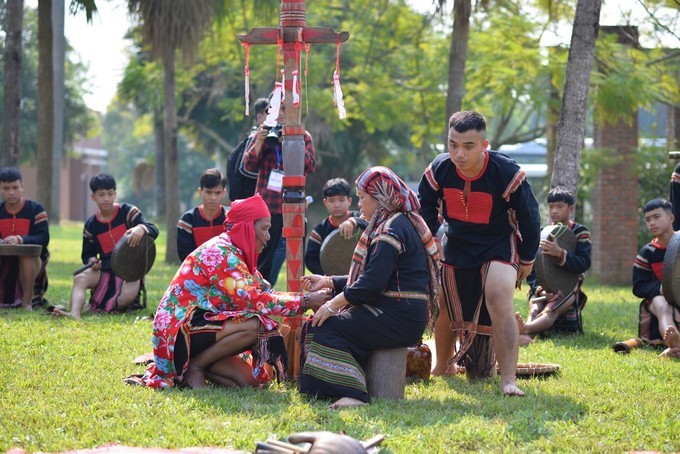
457	57
14	18
572	122
171	159
58	91
159	164
45	104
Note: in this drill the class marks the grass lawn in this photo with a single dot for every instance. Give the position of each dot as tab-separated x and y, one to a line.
62	389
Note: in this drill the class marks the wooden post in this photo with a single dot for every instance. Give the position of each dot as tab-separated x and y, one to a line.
386	373
294	35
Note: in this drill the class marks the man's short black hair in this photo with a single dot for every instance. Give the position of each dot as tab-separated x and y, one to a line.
212	178
336	186
102	181
467	120
9	175
260	105
560	194
658	203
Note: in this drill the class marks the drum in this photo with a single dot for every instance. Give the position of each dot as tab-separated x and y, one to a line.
132	263
336	252
26	250
552	277
670	282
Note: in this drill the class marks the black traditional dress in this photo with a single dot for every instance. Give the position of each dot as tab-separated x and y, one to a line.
388	310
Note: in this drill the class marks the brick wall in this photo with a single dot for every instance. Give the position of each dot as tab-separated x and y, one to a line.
615	203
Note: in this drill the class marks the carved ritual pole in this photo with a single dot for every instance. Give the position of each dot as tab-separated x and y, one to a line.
294	35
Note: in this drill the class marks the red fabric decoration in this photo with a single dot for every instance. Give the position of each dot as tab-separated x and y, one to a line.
242	216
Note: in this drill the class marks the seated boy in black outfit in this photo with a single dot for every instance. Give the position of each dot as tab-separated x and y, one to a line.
23	279
543	316
337	200
112	221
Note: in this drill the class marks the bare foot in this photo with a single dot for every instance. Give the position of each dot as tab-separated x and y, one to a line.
27	308
525	340
520	323
59	312
672	337
673	353
448	370
194	377
346	402
510	388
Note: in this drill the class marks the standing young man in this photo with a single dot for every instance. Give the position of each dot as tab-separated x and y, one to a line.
491	239
22	221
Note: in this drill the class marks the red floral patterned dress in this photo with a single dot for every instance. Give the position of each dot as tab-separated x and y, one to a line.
214	278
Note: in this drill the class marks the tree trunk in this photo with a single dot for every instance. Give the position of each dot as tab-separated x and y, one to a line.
572	123
159	165
171	162
14	18
58	57
45	104
457	57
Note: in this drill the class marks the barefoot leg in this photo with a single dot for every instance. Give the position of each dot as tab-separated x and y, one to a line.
346	402
672	337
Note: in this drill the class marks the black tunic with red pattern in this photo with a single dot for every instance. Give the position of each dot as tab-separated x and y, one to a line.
648	270
99	239
492	216
194	228
30	223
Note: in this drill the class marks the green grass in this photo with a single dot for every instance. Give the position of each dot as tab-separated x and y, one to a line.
62	389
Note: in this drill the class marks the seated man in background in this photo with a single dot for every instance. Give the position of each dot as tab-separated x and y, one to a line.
657	317
547	311
22	221
205	221
102	231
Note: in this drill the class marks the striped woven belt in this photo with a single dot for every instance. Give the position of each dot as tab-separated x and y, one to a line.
407	295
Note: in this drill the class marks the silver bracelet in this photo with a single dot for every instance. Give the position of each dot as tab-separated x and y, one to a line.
330	309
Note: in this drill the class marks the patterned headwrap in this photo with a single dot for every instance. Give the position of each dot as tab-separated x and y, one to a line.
242	216
393	196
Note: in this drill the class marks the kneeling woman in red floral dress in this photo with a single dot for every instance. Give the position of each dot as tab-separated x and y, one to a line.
218	308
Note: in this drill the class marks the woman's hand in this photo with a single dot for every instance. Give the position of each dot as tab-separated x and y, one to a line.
315	282
329	309
315	300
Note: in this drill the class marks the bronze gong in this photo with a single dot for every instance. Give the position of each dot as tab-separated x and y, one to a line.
552	277
132	263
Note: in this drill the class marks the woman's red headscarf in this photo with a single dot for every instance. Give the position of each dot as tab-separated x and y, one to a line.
242	217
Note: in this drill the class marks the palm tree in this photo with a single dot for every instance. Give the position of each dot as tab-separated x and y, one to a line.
46	97
168	27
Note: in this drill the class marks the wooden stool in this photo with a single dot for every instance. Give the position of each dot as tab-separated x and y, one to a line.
386	373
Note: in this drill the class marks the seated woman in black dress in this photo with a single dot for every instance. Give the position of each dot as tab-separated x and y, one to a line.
382	303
